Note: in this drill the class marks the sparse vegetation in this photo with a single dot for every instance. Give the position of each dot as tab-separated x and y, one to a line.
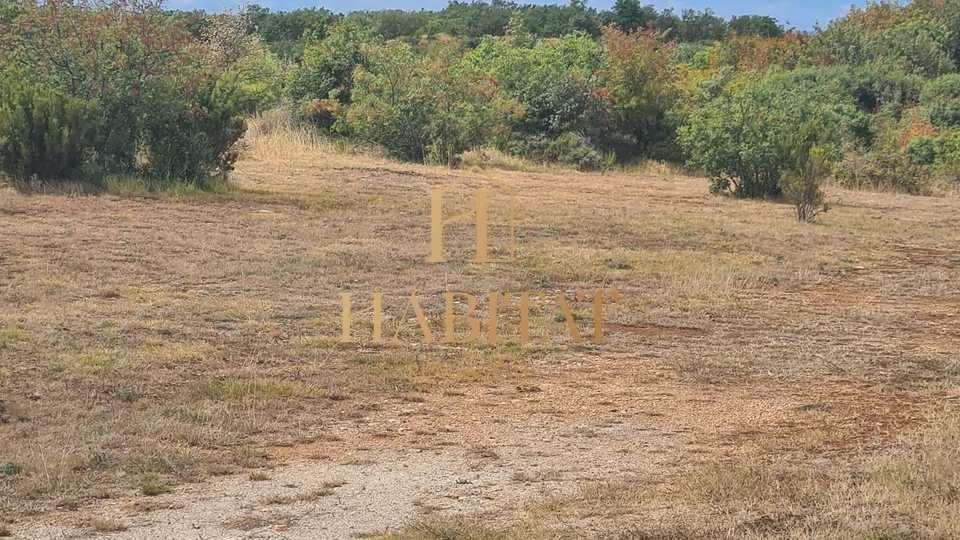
259	476
127	396
760	377
151	485
306	496
208	409
107	525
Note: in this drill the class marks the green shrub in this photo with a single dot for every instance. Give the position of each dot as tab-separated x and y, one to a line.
802	186
922	150
882	169
746	138
947	150
168	97
554	83
326	70
941	154
430	108
940	100
190	138
45	133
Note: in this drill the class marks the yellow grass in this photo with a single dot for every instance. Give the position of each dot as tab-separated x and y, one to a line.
797	379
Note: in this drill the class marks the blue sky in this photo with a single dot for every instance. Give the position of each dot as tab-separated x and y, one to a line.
798	13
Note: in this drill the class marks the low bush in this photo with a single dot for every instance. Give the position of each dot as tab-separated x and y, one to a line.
940	101
45	134
129	91
191	139
568	149
802	187
882	170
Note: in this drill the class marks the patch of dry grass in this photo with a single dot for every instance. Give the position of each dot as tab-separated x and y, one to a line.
151	485
306	496
909	492
277	134
491	158
221	312
105	525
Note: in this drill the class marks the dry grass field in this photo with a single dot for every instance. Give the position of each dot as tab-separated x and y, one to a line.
170	365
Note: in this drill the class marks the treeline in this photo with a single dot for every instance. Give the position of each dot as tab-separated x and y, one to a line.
872	100
281	31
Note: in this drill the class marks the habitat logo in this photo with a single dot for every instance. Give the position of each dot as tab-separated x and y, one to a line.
484	221
480	211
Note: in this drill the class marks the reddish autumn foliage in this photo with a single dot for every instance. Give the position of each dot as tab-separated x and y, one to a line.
637	80
92	49
791	51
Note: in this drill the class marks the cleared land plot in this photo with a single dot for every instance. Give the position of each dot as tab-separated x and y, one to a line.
758	376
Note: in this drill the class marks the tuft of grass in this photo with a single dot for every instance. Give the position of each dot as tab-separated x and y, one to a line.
166	330
176	352
96	362
259	476
241	388
277	134
127	396
538	476
560	317
459	527
107	525
618	265
492	158
246	523
483	452
10	469
307	496
151	485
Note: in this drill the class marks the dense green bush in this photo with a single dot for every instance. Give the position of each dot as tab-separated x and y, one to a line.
548	79
748	137
942	152
940	101
45	133
638	90
883	35
923	150
882	169
168	97
425	108
281	31
190	136
326	71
